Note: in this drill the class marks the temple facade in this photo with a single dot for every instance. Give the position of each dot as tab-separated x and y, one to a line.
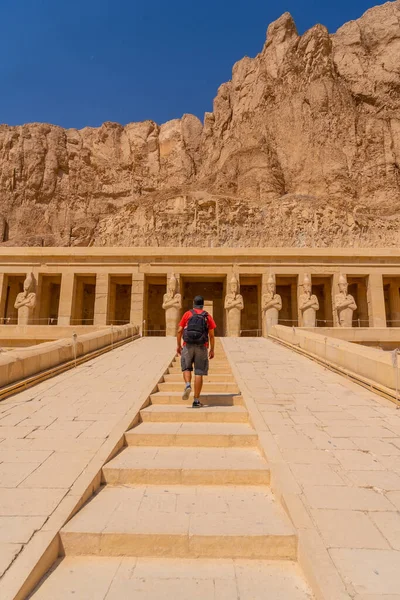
95	287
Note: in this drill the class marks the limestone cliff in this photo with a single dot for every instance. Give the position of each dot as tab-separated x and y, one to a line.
302	149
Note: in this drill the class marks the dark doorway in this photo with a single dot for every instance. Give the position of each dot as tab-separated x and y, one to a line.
358	289
84	297
322	288
250	288
119	309
391	288
15	285
286	287
213	293
154	324
49	299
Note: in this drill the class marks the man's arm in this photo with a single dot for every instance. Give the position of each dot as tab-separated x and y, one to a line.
179	341
212	343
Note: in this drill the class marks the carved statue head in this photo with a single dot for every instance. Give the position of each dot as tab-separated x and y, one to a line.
172	284
30	283
343	286
234	285
271	284
307	284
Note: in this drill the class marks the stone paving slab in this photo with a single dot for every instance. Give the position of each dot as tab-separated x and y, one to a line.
52	434
190	510
167	579
333	448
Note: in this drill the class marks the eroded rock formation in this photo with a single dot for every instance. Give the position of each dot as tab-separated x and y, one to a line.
302	149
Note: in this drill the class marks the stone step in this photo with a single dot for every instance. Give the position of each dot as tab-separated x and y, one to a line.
208	387
206	399
187	466
212	378
212	371
219	358
218	435
212	365
162	413
95	578
181	521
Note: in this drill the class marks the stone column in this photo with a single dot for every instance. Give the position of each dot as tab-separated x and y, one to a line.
294	297
394	299
67	291
335	290
264	290
36	310
3	296
101	299
137	300
300	278
376	301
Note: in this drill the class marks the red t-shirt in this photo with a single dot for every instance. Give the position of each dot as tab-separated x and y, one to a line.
185	319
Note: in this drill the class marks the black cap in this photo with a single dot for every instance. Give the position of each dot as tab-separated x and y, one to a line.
198	301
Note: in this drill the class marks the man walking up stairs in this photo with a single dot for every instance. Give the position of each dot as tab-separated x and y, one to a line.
197	329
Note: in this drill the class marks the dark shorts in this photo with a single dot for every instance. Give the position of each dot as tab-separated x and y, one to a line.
197	355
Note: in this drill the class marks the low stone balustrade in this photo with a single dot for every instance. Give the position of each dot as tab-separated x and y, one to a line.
372	364
18	364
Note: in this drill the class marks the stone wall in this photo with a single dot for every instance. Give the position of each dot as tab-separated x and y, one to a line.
19	364
369	363
302	149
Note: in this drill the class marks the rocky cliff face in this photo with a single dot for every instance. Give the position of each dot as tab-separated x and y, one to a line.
302	149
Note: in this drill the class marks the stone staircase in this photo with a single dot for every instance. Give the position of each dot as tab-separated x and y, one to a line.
189	484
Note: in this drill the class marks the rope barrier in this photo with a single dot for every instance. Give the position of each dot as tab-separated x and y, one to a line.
155	332
257	332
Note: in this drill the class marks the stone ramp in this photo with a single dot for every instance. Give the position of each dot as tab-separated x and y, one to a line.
189	484
334	450
54	440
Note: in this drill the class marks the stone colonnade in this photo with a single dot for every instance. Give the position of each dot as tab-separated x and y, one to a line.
249	301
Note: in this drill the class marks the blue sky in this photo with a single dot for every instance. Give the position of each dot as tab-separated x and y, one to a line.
82	62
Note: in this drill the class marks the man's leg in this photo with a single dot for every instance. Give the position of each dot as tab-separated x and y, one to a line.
198	384
186	365
200	370
187	377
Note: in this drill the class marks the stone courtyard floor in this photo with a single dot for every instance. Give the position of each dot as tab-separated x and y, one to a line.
335	448
333	451
54	434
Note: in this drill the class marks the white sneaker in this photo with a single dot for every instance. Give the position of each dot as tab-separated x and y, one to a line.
186	393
